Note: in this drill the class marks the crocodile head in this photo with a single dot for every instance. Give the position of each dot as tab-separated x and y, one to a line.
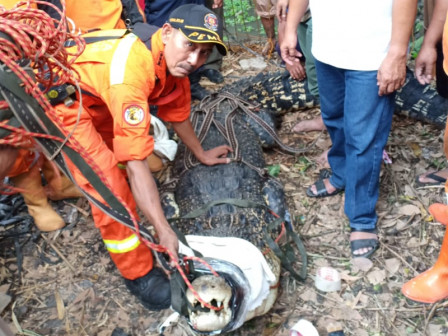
216	292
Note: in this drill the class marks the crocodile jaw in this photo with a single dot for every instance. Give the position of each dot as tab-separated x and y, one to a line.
215	291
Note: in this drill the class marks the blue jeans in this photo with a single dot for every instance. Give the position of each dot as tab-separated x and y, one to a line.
358	121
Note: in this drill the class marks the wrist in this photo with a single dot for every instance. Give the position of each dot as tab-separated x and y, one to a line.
200	155
397	51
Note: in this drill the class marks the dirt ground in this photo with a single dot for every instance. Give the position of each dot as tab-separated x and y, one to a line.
67	285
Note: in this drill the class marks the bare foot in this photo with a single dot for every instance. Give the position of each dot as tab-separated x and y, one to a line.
362	235
322	159
316	124
427	179
269	47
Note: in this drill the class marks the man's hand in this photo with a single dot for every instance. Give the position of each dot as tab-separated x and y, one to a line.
215	156
288	49
391	74
211	157
424	64
296	70
168	239
281	9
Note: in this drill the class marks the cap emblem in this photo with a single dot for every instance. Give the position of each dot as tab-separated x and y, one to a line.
211	22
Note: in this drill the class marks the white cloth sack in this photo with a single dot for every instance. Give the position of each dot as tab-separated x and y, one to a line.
244	255
163	145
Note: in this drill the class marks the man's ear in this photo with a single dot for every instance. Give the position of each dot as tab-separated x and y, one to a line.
167	32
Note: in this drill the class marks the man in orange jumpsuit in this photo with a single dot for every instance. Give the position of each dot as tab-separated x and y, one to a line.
26	171
120	77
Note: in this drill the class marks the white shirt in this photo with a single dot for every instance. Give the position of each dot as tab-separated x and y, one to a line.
351	34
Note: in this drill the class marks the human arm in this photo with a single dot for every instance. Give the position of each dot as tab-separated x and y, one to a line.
146	196
296	69
424	64
288	49
281	10
392	71
214	156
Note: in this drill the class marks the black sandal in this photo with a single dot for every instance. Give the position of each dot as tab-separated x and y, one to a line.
364	243
321	190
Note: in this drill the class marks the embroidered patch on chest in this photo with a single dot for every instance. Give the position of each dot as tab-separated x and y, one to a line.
134	115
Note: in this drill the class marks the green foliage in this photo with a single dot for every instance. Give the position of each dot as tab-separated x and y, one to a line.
416	46
377	289
410	330
303	164
239	13
438	163
417	38
274	170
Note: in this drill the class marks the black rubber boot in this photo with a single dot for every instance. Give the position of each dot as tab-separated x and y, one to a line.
153	289
213	75
198	92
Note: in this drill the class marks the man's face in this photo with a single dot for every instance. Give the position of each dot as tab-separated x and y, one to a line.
183	56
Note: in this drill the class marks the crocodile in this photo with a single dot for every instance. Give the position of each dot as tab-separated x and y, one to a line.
278	92
238	199
198	186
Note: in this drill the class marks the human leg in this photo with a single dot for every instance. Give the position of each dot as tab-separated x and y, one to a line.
304	33
268	24
332	88
58	185
368	119
433	178
265	9
212	66
332	91
30	182
133	259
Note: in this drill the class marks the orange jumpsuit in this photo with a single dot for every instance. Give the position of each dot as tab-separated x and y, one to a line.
120	78
90	14
8	4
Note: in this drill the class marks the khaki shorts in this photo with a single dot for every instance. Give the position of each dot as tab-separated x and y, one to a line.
265	8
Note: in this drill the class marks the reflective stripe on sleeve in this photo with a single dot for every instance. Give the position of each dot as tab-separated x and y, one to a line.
118	64
122	246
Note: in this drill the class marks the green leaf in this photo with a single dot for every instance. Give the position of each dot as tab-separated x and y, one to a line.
274	170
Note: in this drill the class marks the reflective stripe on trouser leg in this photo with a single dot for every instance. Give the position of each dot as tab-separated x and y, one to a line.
133	260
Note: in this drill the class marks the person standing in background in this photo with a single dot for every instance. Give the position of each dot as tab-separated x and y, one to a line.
429	62
360	50
296	70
